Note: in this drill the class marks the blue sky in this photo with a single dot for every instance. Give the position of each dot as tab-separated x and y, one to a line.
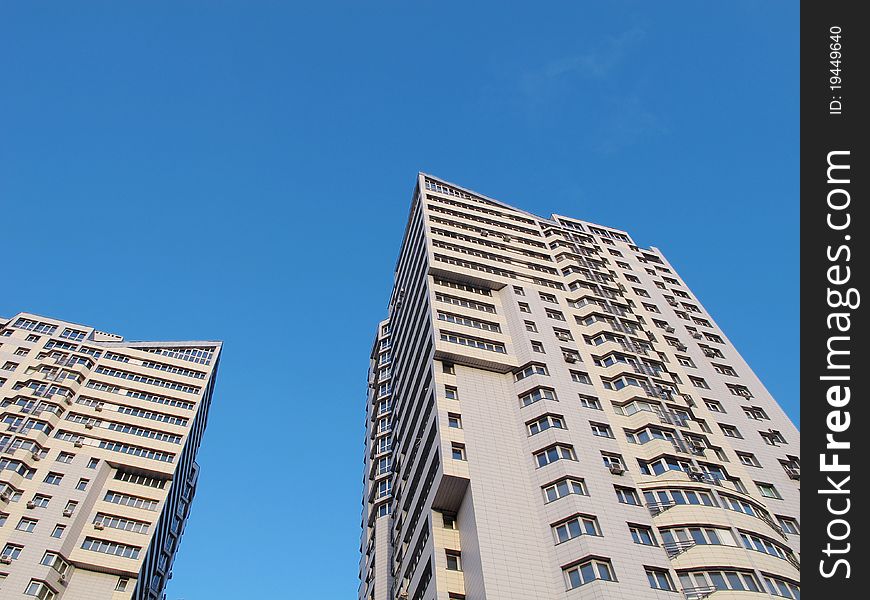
243	170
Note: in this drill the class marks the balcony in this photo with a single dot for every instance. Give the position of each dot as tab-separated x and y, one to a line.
698	593
674	549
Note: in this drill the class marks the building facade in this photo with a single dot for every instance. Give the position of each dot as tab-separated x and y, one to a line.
98	446
552	414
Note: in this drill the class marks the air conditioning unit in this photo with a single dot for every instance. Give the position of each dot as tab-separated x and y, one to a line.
682	348
62	578
99	407
794	474
78	443
99	526
4	497
693	470
484	234
697	336
571	358
6	560
89	425
67	512
617	469
670	329
68	400
31	504
35	456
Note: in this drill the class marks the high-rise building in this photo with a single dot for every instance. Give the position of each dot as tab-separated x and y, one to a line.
98	468
553	414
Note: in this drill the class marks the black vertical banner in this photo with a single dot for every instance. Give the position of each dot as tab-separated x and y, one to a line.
835	374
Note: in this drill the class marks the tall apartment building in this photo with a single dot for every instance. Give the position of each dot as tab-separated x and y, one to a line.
98	446
553	414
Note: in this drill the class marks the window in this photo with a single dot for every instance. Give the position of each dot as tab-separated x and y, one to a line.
82	485
781	587
454	560
114	548
760	544
10	366
555	314
457	451
663	464
581	377
454	421
772	437
65	457
685	361
530	326
11	551
739	390
554	453
545	422
651	308
70	508
613	461
719	580
468	321
588	571
519	291
768	490
39	589
564	487
643	535
725	370
451	392
50	559
537	394
529	370
547	297
590	402
748	459
41	501
660	579
677	539
448	368
134	501
730	431
601	430
626	495
121	586
575	527
58	530
53	478
448	521
563	334
699	382
524	307
456	286
471	342
789	525
537	346
27	525
122	523
714	406
755	413
139	479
